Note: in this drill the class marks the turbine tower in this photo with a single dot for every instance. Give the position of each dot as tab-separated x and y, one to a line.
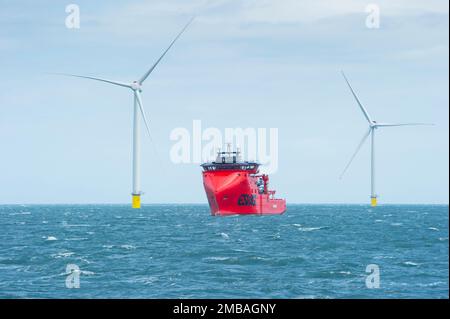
136	88
373	126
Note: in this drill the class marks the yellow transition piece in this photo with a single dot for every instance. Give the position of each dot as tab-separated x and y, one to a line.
373	201
136	201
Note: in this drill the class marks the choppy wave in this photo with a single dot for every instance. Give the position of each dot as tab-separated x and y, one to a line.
175	251
128	247
308	229
225	235
63	254
219	258
20	213
410	263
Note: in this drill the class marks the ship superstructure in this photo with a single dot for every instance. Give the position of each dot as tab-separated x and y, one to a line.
234	187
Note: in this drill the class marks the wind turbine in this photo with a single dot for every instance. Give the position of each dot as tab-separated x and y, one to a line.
373	125
136	88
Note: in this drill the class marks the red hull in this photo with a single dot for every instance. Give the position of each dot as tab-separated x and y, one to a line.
236	191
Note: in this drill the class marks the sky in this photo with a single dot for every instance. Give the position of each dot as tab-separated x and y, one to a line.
250	64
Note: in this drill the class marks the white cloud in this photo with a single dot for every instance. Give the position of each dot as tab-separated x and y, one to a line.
236	17
272	11
293	11
437	51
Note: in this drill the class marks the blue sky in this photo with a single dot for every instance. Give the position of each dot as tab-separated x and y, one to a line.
241	64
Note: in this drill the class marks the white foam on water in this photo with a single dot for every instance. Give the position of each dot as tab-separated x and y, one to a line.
396	224
307	229
76	238
433	228
65	224
410	263
20	213
147	280
224	235
84	260
383	257
241	250
306	297
259	258
378	220
434	284
128	247
340	272
51	238
63	254
219	258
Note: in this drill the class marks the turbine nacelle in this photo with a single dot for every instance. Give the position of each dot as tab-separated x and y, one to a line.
371	132
136	86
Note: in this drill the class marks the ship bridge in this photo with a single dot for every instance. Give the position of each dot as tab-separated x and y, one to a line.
230	160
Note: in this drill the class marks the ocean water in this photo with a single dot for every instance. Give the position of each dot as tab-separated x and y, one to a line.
180	251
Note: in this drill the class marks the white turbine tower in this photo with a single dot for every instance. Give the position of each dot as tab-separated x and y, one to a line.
373	125
136	88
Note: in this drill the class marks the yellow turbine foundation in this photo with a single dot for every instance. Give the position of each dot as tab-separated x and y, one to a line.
136	201
373	201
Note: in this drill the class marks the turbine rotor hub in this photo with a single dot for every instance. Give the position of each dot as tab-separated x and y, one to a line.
136	86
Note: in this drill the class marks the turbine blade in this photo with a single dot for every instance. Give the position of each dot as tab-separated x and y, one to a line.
96	79
356	152
144	77
403	124
141	107
366	114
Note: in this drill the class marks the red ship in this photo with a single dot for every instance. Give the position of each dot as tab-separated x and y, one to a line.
236	187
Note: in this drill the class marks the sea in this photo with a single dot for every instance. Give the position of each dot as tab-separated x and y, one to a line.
180	251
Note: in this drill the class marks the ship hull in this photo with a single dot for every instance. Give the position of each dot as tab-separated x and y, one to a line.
237	193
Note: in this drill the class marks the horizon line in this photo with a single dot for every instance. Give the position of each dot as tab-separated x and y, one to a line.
206	204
